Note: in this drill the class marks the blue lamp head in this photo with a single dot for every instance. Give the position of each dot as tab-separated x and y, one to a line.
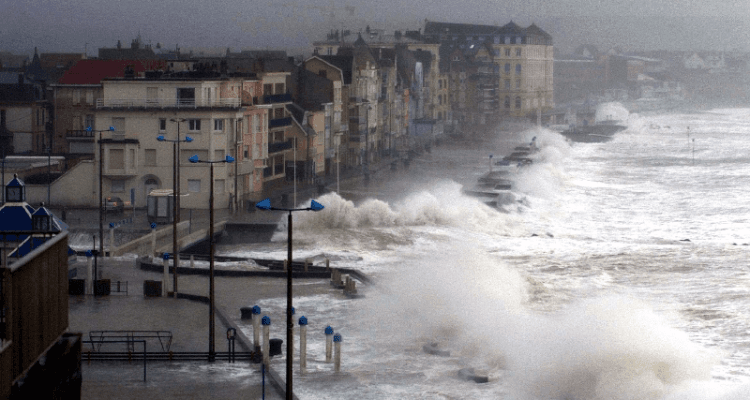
337	337
194	159
329	330
188	139
160	138
315	206
165	256
256	310
111	224
89	253
263	205
229	159
302	320
266	320
293	310
88	129
153	225
112	128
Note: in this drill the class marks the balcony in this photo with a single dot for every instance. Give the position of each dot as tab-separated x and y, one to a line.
79	134
279	122
277	98
279	146
169	103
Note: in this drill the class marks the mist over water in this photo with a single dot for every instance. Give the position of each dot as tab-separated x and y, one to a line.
621	274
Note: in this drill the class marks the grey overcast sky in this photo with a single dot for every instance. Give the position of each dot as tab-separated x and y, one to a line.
75	25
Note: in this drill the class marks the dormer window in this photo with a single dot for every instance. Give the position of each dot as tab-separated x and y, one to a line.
40	221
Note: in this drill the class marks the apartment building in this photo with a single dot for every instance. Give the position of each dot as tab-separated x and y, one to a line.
208	107
522	56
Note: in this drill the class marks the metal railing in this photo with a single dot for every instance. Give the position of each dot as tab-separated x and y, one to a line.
169	103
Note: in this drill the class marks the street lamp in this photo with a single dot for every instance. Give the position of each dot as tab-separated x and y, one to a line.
175	196
101	194
194	159
314	206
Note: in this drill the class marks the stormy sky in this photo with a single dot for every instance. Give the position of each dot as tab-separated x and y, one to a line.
75	25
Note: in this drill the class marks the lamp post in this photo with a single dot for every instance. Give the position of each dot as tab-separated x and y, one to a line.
211	328
101	194
175	196
314	206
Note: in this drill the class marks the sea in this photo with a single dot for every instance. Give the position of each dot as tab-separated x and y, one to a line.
619	271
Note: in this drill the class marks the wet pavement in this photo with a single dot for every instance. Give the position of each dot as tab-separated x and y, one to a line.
187	321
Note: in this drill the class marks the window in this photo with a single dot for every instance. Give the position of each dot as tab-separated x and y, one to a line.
255	123
246	152
507	40
507	84
186	96
150	156
131	159
162	124
267	89
507	52
518	102
518	52
518	68
194	124
507	101
219	125
278	113
440	84
89	96
279	88
152	95
89	121
518	83
507	68
518	40
116	159
194	185
77	96
118	185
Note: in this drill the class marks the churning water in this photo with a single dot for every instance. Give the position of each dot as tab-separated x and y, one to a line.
621	274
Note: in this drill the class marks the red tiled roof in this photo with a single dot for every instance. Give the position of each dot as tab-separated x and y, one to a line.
91	72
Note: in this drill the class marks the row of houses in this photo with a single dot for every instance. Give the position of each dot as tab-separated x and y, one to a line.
357	101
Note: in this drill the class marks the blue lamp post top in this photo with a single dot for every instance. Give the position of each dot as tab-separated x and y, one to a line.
302	321
266	205
329	330
266	320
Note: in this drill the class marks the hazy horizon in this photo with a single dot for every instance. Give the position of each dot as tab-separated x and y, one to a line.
86	25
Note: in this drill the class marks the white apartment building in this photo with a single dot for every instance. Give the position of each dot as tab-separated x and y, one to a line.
210	110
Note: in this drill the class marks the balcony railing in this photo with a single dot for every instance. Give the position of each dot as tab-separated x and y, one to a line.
279	146
79	133
279	122
169	103
277	98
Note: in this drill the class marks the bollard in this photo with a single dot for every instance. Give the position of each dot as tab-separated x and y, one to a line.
266	321
153	238
307	261
90	271
350	288
329	340
256	327
286	265
111	237
192	261
164	289
337	358
302	344
328	264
